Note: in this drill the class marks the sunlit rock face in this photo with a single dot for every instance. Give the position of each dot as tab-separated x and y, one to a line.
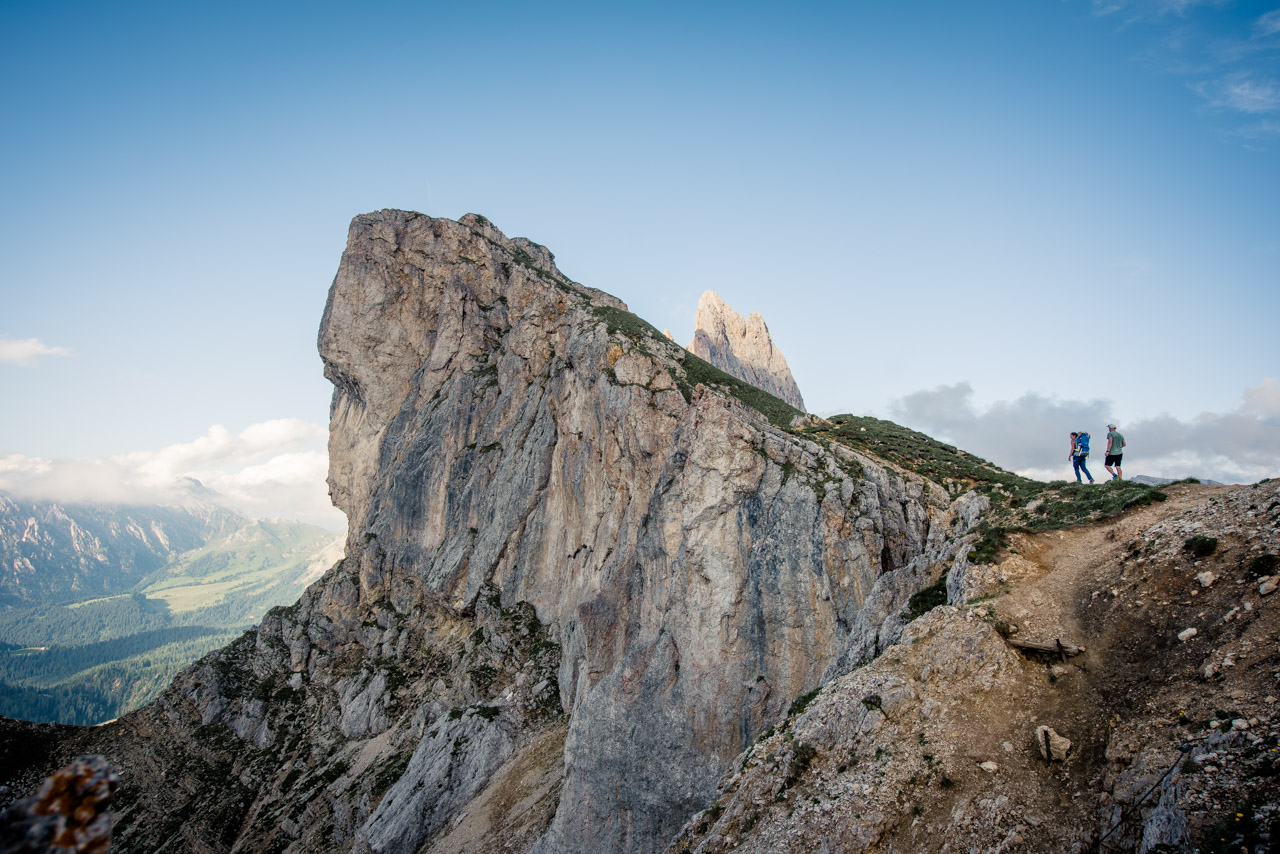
742	348
497	424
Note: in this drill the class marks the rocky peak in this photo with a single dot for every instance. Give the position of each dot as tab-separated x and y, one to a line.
742	348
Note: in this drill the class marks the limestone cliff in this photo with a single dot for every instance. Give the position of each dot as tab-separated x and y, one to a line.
496	424
584	570
742	348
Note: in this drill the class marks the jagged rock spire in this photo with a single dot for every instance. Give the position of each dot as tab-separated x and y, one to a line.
742	348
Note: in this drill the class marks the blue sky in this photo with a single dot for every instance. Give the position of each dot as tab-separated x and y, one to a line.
992	221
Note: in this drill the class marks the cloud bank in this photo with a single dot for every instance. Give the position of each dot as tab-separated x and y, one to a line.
275	469
1029	435
25	351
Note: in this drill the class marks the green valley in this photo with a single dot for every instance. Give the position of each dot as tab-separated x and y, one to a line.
92	659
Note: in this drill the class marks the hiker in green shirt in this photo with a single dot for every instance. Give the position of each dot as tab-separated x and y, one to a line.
1115	445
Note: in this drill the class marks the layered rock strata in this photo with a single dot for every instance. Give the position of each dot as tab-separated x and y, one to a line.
581	575
743	348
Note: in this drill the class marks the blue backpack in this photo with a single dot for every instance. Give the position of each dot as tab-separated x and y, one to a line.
1082	445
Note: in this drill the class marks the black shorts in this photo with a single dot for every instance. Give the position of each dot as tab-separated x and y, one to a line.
1112	460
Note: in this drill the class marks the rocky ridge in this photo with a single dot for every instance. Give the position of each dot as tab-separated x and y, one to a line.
742	348
577	554
558	448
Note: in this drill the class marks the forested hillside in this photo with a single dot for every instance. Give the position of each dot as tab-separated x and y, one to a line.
89	659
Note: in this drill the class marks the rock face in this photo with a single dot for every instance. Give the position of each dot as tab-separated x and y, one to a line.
742	348
496	424
581	575
844	773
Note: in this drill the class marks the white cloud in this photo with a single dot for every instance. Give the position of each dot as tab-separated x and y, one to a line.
275	469
1240	92
25	351
1140	9
290	484
1102	8
1249	134
282	432
1268	24
1228	60
1029	435
1247	95
1263	399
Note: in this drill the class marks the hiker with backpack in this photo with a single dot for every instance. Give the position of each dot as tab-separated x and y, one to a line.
1079	453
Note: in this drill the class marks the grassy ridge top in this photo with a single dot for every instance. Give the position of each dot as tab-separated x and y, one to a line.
941	463
1017	502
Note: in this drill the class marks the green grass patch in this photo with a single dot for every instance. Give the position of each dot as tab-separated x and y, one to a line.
1238	830
625	323
524	259
1201	546
799	704
1064	504
944	464
696	371
924	601
1264	565
699	371
1054	505
990	541
801	757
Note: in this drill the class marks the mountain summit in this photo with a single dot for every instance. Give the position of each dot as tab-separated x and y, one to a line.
742	348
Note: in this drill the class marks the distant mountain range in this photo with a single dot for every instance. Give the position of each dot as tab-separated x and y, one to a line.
1162	481
54	552
100	605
